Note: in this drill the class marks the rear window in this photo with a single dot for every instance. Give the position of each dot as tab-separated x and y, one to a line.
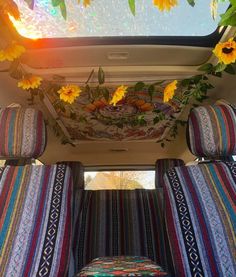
113	19
119	180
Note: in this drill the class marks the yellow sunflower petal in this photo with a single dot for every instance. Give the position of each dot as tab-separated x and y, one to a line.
11	52
118	95
169	91
31	82
69	93
165	4
226	51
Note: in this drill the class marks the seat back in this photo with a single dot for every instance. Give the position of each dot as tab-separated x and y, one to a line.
35	201
200	199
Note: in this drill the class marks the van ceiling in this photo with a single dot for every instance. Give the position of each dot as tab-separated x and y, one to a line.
127	63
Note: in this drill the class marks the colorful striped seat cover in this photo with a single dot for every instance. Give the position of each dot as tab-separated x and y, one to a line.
119	222
201	219
212	131
162	166
122	266
22	133
35	221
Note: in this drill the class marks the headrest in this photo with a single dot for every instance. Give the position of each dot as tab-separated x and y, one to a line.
211	131
22	133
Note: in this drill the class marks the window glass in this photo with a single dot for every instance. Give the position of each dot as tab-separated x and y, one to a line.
112	18
2	163
128	180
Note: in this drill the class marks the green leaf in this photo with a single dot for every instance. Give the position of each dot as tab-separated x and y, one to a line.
139	86
197	78
185	82
229	17
233	2
230	69
63	9
207	67
156	111
151	91
90	76
191	2
156	120
106	94
220	67
56	3
132	6
217	74
101	76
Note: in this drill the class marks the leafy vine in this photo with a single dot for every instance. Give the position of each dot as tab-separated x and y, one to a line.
187	91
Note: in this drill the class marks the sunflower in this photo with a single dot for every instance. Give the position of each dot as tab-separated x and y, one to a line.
169	91
11	52
69	93
118	95
30	82
165	4
226	51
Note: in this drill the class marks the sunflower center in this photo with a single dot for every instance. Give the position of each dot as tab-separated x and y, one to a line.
227	50
69	92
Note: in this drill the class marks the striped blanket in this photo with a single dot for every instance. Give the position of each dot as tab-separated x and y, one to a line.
201	219
35	221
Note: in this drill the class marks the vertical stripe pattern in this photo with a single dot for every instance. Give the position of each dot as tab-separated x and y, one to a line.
201	219
114	223
35	221
212	131
162	166
22	133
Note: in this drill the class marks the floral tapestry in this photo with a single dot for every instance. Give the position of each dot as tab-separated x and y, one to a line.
136	117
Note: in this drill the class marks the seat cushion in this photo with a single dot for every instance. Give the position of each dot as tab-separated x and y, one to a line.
116	222
35	212
22	133
122	266
211	131
201	221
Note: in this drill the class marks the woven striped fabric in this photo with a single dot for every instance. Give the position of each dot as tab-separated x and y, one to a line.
162	166
212	131
201	219
122	266
35	221
115	223
22	133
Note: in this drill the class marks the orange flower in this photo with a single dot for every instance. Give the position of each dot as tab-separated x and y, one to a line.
169	91
11	52
30	82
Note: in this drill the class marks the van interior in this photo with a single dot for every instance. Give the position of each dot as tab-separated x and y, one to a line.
117	138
